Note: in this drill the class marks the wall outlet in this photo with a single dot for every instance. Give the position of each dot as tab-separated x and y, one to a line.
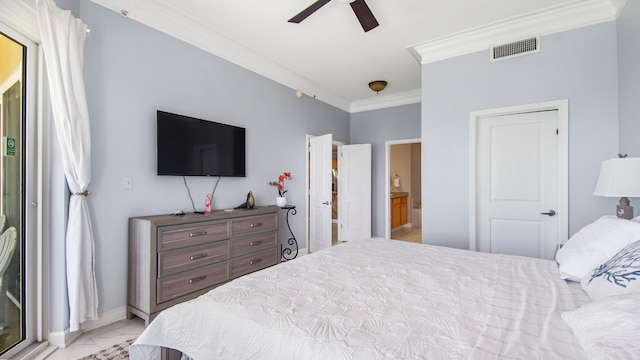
127	183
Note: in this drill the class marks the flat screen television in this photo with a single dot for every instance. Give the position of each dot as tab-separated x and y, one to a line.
194	147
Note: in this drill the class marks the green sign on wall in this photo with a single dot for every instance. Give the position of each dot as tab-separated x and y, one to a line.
10	146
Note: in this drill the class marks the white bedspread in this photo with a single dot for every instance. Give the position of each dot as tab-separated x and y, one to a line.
377	299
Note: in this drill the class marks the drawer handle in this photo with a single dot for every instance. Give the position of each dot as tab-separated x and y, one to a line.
255	225
253	243
198	279
255	261
201	233
199	256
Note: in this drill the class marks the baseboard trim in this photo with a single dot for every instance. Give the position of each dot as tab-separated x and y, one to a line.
62	339
302	252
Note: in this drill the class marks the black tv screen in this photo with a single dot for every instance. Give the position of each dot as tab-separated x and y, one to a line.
194	147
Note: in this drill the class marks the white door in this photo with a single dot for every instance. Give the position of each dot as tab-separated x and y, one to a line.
320	192
354	187
517	184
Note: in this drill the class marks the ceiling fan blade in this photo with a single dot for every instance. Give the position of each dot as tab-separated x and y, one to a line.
308	11
364	15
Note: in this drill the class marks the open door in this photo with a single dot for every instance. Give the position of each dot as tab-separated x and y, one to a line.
354	186
320	192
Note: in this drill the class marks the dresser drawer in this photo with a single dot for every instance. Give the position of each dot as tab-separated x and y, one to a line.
180	236
176	261
177	285
246	264
254	224
253	243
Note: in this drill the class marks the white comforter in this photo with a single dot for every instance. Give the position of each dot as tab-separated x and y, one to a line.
377	299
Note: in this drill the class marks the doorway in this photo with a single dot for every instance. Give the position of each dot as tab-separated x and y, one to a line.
339	192
403	196
518	179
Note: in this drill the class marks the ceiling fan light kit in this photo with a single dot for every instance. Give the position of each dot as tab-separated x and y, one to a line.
377	85
360	8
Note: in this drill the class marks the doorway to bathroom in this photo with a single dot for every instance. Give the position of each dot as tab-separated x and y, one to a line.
404	190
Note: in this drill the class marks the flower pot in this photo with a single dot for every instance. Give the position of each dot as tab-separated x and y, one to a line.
281	201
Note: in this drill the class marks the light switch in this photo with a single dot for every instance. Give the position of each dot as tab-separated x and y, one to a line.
127	183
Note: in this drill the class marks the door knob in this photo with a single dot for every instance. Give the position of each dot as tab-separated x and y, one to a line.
326	203
549	213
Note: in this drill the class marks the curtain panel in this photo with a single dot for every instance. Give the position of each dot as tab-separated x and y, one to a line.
63	38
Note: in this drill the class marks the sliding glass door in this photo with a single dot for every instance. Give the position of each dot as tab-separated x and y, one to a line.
17	217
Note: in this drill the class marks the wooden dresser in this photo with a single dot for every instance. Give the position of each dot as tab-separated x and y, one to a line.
176	258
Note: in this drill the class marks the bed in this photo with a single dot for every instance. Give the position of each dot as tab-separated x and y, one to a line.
386	299
378	299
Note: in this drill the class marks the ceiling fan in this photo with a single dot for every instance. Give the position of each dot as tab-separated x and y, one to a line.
360	8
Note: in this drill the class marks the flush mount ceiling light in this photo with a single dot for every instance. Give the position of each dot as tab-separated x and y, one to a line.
377	85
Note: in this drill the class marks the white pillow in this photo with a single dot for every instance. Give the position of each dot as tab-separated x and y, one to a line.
594	244
608	328
619	275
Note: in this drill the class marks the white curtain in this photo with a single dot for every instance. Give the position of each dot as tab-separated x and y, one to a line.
63	39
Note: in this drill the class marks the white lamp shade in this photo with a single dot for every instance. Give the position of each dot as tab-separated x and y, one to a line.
619	178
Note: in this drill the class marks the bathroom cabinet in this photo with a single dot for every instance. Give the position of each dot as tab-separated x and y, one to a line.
399	210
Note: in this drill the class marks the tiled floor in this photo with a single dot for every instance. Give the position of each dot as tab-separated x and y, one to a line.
96	340
410	234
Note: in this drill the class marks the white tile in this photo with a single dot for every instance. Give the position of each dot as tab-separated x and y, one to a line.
74	352
119	335
99	339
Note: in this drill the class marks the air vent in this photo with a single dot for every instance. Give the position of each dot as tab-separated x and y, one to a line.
516	48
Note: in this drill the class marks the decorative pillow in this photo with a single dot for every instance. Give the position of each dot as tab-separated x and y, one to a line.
619	275
608	328
594	244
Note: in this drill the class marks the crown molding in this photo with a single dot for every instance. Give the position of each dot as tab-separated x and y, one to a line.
382	102
551	20
168	18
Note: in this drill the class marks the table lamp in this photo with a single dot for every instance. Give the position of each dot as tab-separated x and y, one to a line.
620	178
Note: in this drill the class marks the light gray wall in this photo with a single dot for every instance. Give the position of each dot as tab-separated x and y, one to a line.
579	65
376	127
131	71
629	80
71	5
